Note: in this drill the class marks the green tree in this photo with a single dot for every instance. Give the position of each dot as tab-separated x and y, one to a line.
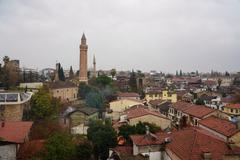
61	75
126	131
103	137
59	147
43	105
197	73
113	73
139	128
94	99
84	89
181	73
133	81
103	81
71	73
199	102
177	73
84	151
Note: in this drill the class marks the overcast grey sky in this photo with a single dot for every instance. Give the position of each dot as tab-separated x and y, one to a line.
162	35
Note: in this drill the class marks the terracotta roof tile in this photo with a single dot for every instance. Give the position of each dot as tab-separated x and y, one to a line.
198	111
61	84
143	140
190	143
15	132
234	106
139	111
128	94
156	102
221	126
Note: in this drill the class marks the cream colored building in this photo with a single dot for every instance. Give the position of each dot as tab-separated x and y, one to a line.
164	95
158	120
118	106
65	91
138	114
153	96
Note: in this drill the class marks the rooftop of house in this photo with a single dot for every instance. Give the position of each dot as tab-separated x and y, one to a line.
164	106
128	94
61	84
207	97
14	132
210	82
77	108
189	143
233	106
139	111
148	139
156	102
221	126
198	111
182	106
229	99
128	99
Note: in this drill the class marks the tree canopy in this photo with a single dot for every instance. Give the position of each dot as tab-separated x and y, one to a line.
133	81
43	105
103	137
139	128
94	99
59	147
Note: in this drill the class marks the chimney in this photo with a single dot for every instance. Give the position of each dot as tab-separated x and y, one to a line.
207	155
3	124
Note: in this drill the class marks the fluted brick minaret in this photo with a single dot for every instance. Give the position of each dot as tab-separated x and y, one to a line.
83	60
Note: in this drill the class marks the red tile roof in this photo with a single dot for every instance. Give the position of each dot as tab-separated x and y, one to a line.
129	99
15	132
139	111
234	106
210	82
144	140
198	111
124	149
221	126
156	102
187	144
182	106
191	143
128	94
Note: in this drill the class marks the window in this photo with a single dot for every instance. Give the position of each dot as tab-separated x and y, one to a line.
195	122
236	110
12	98
231	110
2	97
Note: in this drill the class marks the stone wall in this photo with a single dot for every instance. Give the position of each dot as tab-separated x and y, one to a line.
13	112
8	152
